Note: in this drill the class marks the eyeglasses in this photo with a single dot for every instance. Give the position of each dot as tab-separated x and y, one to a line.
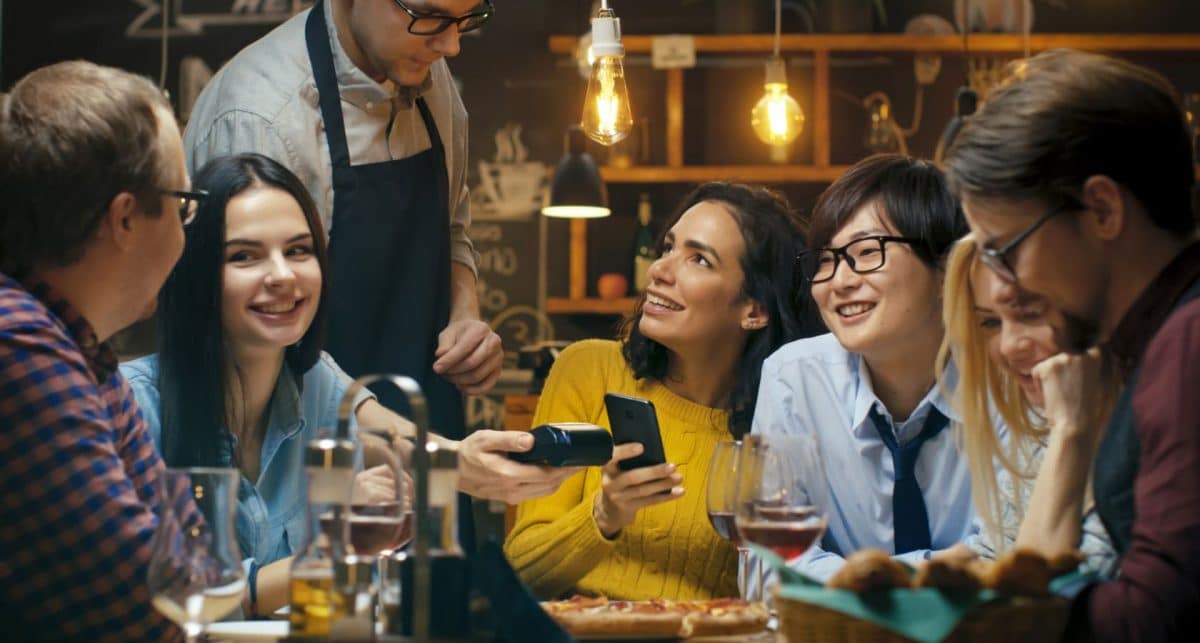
431	24
862	255
997	258
189	202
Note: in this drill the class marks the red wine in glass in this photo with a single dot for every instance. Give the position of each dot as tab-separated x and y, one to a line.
723	523
787	531
375	527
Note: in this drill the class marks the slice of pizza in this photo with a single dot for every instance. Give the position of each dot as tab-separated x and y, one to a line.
724	617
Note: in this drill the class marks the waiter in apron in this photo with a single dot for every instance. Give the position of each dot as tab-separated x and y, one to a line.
327	93
389	254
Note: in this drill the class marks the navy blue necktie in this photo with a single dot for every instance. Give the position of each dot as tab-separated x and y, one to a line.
909	518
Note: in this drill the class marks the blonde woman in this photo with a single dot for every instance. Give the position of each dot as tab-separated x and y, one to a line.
997	334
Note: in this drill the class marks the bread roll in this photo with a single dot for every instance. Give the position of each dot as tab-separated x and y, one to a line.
869	569
1023	572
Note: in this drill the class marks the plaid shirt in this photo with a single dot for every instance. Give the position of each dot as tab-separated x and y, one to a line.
77	477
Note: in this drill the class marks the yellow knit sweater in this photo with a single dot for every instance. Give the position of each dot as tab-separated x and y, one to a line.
670	550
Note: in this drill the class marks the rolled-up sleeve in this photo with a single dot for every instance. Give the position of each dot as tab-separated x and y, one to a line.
461	248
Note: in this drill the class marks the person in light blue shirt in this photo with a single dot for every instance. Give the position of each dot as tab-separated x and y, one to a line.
893	478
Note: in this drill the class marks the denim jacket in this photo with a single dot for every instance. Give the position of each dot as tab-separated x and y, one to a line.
270	511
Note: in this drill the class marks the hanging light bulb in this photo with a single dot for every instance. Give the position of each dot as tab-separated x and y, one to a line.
777	118
607	117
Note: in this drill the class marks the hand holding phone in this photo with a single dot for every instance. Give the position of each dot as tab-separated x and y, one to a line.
633	420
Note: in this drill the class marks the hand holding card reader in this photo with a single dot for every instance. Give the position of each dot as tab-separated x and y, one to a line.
634	420
568	444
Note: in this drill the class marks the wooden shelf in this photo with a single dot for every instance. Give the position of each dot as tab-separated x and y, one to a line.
590	306
701	173
821	46
867	42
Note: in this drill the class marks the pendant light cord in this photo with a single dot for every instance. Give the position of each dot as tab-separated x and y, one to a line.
778	12
162	70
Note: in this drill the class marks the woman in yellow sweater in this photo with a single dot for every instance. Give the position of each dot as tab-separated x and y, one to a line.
721	297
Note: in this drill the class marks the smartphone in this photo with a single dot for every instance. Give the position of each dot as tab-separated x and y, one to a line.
634	420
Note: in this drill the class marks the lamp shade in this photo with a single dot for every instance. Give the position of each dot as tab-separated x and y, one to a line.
577	191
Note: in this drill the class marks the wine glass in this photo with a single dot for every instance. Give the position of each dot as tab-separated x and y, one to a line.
195	574
721	498
379	518
773	507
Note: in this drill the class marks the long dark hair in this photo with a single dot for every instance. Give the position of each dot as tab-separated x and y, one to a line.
192	356
771	232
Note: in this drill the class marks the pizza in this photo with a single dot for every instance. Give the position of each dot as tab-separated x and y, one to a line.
587	616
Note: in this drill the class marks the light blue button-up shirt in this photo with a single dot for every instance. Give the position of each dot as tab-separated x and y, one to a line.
815	386
271	511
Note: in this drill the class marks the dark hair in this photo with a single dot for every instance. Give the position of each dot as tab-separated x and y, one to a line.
1065	115
771	233
192	356
913	194
73	136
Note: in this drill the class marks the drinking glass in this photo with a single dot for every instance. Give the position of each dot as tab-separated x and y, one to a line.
195	575
773	507
382	521
721	498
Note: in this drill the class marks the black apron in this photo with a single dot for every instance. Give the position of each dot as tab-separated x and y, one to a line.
389	257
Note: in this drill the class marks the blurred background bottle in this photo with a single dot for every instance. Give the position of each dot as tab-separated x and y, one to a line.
316	605
643	244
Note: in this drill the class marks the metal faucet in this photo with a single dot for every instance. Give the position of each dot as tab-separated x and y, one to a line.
422	577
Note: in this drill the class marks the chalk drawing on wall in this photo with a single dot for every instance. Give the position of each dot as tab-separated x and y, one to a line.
510	186
190	17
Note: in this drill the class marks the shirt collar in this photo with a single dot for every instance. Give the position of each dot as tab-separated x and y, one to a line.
865	400
99	355
1151	309
361	90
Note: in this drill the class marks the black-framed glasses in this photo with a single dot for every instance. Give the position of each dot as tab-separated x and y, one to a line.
432	24
997	258
864	255
189	202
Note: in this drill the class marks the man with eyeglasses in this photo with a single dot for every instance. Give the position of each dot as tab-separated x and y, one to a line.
1077	178
356	98
93	180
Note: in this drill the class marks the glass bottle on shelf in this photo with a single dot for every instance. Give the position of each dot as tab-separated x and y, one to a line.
315	602
643	245
449	613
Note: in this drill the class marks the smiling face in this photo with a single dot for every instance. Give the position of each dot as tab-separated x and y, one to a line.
1018	327
271	281
884	314
379	29
1076	286
695	298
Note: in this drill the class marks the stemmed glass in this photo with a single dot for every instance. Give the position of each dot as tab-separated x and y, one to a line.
721	498
195	574
382	520
774	507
